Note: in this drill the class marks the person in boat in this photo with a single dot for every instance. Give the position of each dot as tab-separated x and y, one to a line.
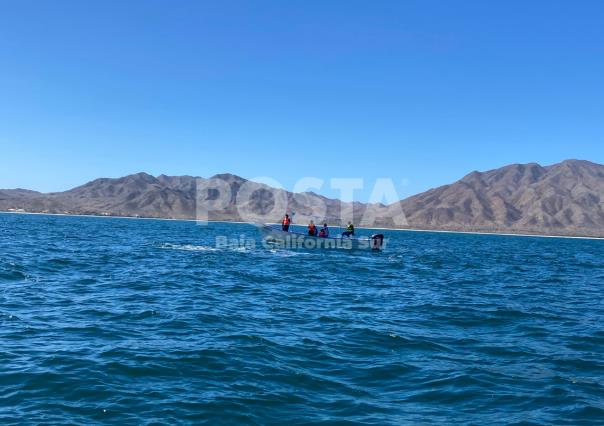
324	232
285	223
349	230
312	229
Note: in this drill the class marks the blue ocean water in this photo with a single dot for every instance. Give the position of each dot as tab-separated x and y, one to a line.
125	321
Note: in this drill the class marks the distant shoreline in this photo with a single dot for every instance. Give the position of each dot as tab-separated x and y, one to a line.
441	231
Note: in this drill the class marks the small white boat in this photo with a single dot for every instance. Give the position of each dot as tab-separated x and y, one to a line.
298	240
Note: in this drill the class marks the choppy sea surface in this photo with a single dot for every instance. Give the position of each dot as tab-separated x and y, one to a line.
125	321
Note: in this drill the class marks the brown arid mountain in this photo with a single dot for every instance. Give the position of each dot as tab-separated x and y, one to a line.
175	197
565	198
562	199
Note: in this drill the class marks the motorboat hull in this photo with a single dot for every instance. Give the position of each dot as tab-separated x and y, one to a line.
298	240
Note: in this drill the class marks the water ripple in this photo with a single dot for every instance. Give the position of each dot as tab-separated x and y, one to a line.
149	322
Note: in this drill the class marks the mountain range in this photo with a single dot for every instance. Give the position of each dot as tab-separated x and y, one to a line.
562	199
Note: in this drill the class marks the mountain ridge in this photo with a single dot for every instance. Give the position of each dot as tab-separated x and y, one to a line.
566	198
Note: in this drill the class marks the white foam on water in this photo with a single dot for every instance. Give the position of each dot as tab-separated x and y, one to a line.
193	247
187	247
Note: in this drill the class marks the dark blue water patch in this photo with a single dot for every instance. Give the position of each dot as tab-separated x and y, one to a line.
121	321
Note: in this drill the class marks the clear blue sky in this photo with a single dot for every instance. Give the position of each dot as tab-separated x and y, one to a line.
420	90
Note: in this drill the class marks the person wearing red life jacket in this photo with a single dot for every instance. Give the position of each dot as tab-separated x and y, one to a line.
285	223
324	232
312	229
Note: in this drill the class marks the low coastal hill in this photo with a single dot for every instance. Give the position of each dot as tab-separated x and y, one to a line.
561	199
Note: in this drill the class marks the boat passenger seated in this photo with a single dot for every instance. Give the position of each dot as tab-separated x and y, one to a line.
312	229
324	232
349	230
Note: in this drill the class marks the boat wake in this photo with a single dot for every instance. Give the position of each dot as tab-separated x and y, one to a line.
187	247
202	248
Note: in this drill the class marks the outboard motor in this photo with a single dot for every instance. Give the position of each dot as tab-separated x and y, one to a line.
377	240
